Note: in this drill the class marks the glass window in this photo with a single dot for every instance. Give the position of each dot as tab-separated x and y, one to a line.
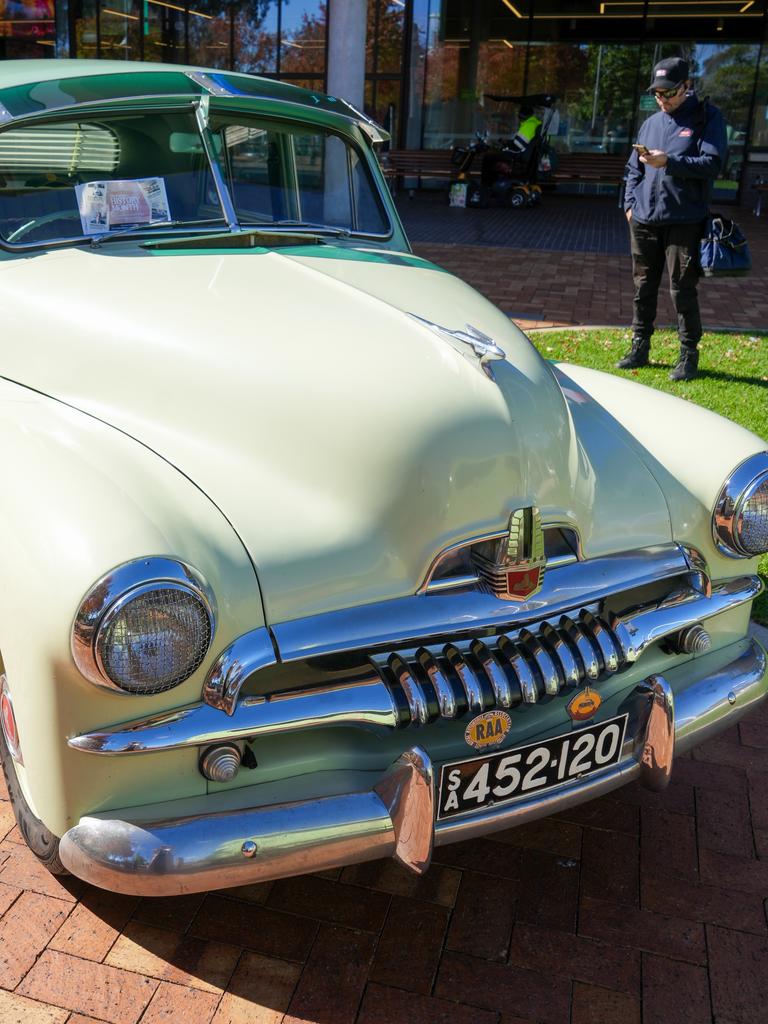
255	32
386	109
289	173
27	28
390	31
120	30
595	88
209	34
85	38
760	120
165	37
302	38
135	169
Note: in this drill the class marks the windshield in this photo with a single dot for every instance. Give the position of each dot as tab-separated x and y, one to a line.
103	175
86	177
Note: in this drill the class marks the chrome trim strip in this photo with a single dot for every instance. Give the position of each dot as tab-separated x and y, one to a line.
115	588
249	653
388	624
369	703
730	502
225	199
366	703
207	82
194	853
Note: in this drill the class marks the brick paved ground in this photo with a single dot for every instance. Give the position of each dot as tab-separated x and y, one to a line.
634	908
541	287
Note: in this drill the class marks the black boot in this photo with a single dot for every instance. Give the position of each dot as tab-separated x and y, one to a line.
687	364
637	355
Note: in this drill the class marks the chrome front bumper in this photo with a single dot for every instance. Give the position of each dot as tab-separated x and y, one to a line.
395	817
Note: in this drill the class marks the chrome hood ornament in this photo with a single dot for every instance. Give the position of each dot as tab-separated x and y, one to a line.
513	566
478	348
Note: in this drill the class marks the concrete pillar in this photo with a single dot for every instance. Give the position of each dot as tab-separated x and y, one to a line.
346	50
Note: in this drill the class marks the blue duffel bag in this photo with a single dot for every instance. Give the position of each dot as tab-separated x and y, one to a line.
724	249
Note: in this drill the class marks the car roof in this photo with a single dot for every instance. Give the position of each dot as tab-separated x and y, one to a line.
36	86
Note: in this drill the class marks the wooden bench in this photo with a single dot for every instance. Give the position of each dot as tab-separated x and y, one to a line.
579	168
419	164
590	169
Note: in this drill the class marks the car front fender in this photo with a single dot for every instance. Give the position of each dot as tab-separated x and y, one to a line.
78	499
690	451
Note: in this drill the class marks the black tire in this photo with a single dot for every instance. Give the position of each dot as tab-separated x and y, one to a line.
43	843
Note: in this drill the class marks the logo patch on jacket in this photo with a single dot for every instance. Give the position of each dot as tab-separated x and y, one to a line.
686	132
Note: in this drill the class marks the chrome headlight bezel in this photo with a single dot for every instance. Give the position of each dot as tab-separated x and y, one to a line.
109	595
728	511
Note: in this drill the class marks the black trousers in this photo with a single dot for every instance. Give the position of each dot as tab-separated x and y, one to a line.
675	246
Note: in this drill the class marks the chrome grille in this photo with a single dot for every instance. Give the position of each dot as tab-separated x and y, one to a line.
453	679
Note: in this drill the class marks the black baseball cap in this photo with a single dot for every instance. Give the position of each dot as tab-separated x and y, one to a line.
669	73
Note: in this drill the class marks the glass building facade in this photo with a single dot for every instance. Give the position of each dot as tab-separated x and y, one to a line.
433	66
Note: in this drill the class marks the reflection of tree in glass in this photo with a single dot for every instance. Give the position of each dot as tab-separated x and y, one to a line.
595	83
728	78
304	49
256	35
389	29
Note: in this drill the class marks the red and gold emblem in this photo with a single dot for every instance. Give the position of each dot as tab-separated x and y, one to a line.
513	566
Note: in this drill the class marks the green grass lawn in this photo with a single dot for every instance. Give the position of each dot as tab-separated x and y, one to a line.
732	380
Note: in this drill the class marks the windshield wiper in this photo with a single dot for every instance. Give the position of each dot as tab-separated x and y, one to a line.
306	225
133	230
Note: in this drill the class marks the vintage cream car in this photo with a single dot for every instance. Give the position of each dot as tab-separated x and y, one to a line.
308	557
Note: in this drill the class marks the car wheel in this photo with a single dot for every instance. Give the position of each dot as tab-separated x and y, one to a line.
43	843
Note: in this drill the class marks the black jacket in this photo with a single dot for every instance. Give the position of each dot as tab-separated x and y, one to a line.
694	139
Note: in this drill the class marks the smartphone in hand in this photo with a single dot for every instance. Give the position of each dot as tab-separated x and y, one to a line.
641	149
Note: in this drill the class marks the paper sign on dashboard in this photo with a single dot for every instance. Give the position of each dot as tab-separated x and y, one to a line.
107	205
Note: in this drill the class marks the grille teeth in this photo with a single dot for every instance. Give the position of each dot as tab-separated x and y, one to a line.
515	670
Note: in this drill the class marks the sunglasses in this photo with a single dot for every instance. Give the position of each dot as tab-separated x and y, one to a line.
666	94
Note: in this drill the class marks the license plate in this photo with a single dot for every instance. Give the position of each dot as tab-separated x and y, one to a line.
514	774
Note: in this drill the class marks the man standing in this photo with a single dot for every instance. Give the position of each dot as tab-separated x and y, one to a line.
679	153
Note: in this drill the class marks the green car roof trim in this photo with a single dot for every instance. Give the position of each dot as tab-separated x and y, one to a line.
33	87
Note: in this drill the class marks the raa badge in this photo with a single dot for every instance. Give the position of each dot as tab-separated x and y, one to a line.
488	729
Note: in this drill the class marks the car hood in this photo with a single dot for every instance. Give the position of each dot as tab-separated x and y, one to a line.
346	442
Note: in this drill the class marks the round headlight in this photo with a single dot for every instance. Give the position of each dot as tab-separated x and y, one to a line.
153	639
141	634
740	518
